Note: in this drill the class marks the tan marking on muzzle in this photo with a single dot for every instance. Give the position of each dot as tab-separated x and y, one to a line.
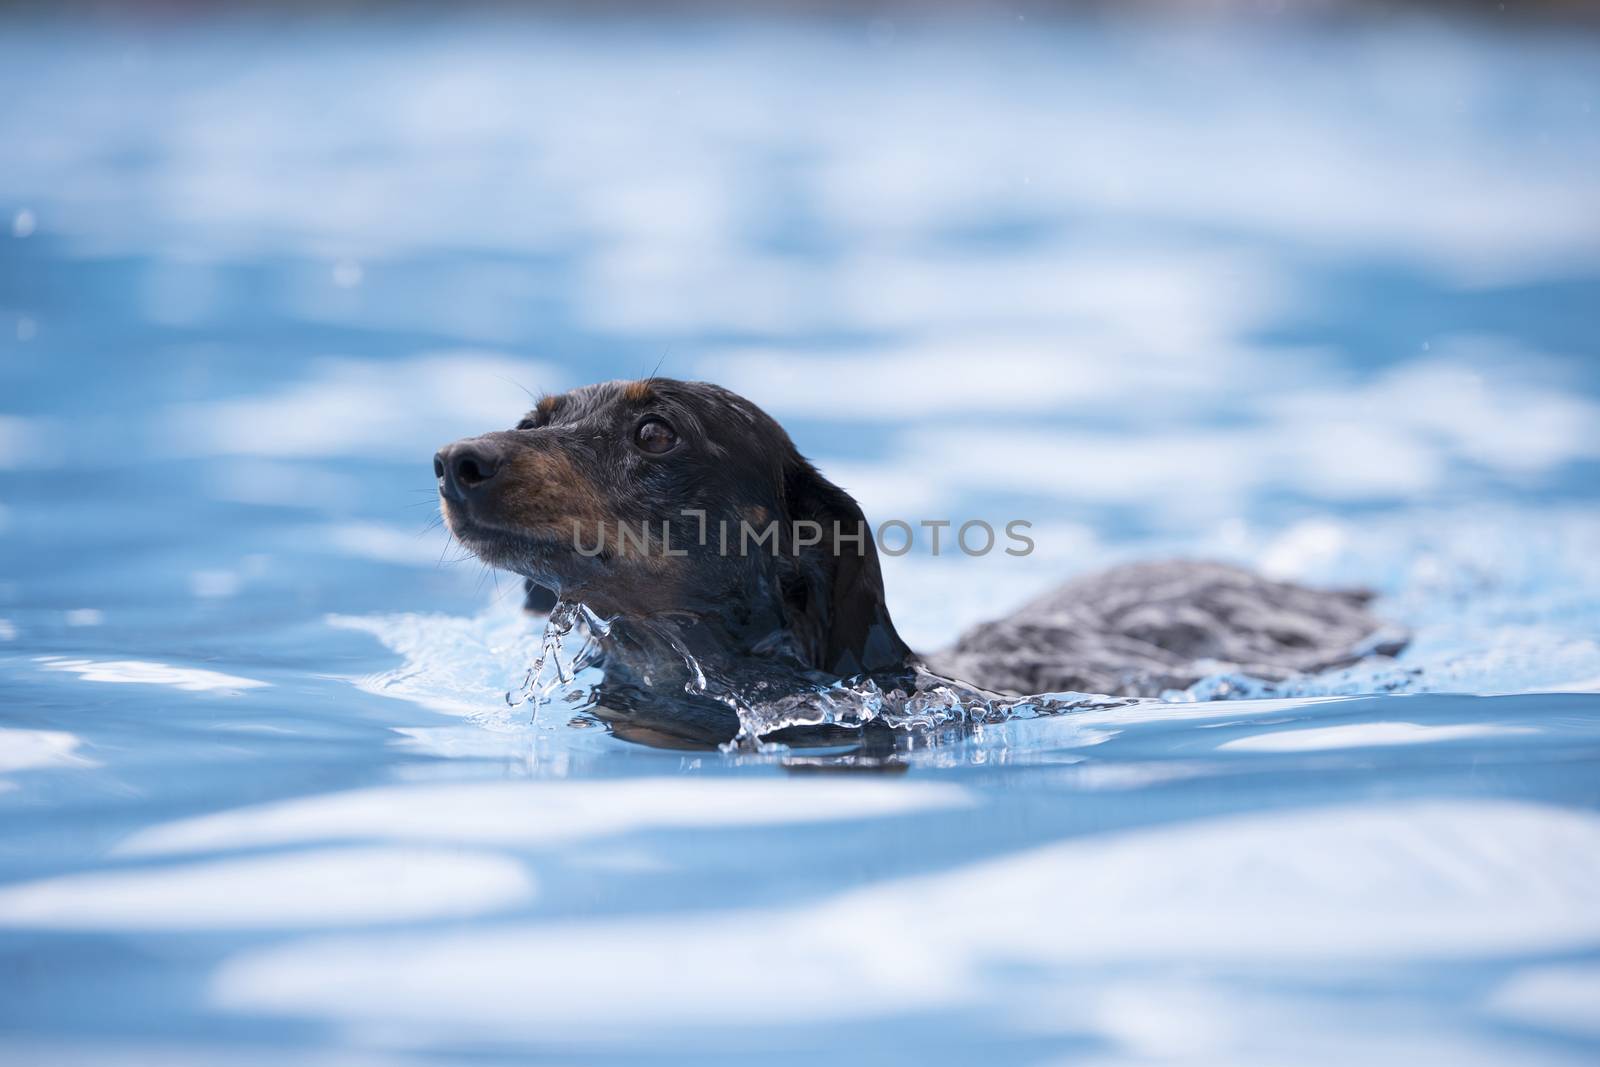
547	493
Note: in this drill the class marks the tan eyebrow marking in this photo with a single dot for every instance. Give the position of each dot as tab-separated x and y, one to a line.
638	391
546	405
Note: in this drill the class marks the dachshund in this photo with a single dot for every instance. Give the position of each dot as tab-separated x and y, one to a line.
684	514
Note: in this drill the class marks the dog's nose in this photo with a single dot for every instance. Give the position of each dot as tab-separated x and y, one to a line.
464	467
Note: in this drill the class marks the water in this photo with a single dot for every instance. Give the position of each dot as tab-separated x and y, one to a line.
775	706
1318	300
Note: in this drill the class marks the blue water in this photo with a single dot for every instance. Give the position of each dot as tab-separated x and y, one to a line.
1318	299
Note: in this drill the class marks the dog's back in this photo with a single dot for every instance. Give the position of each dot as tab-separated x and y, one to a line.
1143	628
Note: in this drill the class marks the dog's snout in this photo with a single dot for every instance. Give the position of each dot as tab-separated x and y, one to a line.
465	467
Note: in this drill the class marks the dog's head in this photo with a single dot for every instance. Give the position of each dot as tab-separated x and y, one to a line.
656	497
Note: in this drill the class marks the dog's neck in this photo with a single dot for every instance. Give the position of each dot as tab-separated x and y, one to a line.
680	644
688	674
755	614
677	677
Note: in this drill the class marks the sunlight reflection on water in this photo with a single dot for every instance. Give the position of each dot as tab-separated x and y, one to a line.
1316	301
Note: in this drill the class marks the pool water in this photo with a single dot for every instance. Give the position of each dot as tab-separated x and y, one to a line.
1315	298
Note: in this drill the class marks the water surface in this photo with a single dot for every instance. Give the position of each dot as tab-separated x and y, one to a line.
1318	301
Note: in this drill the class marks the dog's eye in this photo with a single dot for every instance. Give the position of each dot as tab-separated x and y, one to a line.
654	435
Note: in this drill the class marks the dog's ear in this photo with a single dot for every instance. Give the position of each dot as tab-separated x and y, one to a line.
833	591
536	597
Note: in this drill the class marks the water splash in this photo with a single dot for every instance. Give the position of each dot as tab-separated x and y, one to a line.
565	618
768	698
918	701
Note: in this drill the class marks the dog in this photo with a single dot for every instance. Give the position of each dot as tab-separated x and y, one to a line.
641	500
